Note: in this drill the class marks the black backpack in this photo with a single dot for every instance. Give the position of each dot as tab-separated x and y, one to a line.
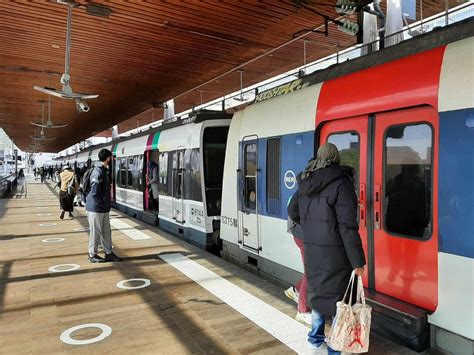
86	181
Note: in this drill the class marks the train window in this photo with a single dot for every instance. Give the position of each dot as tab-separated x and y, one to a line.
349	151
195	189
407	180
117	171
163	174
139	162
178	170
133	170
273	176
123	172
130	163
250	176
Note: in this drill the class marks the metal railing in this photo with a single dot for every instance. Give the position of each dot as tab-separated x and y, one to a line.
248	94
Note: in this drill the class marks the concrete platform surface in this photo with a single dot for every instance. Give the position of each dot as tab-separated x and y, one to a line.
192	302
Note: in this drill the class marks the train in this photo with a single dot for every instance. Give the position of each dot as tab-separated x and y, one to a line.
402	117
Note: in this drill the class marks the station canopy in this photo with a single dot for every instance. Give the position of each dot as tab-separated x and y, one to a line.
137	54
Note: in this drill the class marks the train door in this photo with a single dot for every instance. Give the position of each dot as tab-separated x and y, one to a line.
248	228
405	229
150	196
393	155
350	137
178	185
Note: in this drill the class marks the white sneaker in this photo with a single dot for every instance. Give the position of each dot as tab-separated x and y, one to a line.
322	347
292	294
303	317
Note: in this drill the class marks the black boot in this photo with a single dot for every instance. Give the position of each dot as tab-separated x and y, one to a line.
62	215
71	215
112	257
96	259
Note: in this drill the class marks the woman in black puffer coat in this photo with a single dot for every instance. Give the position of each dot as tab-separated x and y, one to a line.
326	207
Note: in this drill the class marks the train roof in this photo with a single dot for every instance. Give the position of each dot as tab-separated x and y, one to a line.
194	117
430	40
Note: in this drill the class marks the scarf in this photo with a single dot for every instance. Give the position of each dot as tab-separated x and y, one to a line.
327	154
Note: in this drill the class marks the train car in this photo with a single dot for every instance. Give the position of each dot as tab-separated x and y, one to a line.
189	155
406	125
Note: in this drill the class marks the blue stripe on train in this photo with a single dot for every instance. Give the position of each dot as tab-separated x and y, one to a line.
456	182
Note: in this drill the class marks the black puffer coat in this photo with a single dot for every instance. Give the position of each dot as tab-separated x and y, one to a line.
326	206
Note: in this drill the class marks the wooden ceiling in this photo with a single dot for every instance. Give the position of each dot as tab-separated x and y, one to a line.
146	52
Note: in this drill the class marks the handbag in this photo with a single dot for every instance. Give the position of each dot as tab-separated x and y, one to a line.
70	186
350	330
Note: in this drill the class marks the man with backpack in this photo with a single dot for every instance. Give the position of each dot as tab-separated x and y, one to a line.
96	187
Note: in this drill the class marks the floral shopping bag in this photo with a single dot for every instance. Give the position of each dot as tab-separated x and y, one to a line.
350	330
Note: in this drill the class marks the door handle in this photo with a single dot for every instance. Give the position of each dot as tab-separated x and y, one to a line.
246	232
377	207
362	199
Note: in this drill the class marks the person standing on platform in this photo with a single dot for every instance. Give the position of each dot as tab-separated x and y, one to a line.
98	208
298	293
153	182
325	205
67	191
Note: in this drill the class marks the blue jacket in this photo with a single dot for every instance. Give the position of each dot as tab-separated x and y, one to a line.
98	198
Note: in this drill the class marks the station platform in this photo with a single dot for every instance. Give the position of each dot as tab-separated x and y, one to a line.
53	301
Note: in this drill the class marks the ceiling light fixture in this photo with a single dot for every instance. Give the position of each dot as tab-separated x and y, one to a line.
98	10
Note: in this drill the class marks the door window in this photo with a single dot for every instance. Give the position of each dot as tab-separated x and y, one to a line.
178	168
407	180
123	172
250	176
349	151
130	167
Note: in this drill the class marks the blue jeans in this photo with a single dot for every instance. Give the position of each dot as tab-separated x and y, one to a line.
316	336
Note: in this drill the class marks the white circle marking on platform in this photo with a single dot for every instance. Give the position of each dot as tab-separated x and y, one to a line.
66	335
121	284
53	240
69	267
47	224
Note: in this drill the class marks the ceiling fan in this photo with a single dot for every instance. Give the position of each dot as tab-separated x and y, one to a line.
66	92
41	136
48	124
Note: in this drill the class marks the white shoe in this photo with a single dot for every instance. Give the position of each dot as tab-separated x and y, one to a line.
292	294
304	317
322	347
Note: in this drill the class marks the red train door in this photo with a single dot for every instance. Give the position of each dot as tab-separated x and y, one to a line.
405	205
350	137
394	155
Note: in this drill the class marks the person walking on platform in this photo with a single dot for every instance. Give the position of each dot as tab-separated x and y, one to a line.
43	173
78	197
298	292
97	189
67	191
57	179
325	205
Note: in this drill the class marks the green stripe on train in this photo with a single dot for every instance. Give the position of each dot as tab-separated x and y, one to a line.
156	140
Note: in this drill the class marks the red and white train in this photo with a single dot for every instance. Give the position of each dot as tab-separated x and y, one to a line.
402	117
